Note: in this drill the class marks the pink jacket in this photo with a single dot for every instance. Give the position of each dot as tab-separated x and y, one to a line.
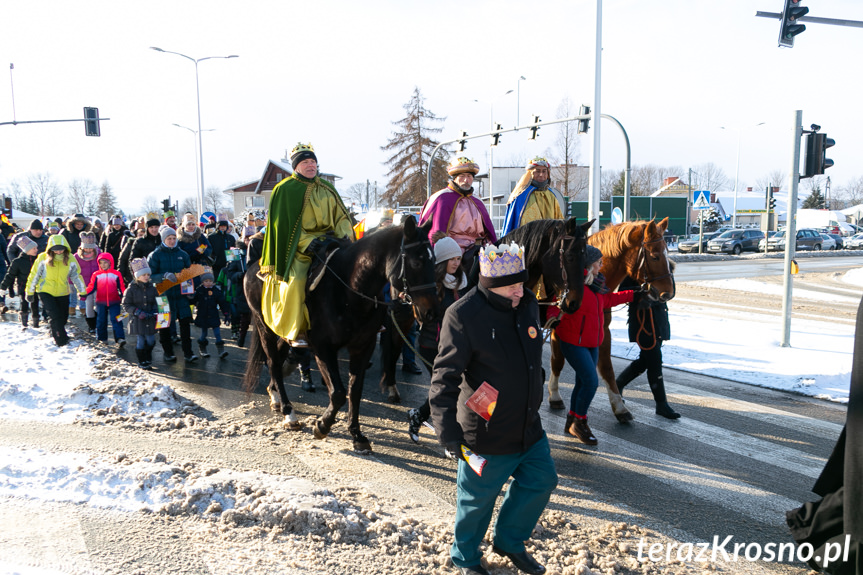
108	284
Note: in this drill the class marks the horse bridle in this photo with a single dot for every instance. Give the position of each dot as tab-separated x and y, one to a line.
641	261
404	295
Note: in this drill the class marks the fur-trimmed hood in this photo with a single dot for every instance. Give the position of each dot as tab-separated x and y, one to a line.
190	238
70	225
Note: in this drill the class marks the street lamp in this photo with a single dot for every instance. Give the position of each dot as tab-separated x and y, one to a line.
737	171
200	143
518	101
195	133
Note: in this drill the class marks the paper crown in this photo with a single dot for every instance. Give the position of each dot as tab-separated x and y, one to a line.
139	267
501	266
462	166
26	244
301	147
537	162
189	219
88	241
116	221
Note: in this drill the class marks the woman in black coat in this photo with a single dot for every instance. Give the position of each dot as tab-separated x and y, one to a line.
648	327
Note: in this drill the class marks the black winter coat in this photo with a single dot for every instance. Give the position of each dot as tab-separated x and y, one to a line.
174	260
220	241
141	297
138	248
112	242
236	271
13	251
646	318
209	301
18	272
484	339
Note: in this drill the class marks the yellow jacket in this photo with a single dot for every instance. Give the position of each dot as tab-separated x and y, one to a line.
53	278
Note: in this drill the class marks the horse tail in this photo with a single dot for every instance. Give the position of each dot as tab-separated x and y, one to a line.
254	363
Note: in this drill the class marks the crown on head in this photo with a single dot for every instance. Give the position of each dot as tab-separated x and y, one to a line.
504	260
462	165
301	147
537	162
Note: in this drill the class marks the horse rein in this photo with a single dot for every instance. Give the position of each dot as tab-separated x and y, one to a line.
641	262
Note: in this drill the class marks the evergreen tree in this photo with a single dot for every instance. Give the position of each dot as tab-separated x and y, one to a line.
815	201
106	201
619	187
411	147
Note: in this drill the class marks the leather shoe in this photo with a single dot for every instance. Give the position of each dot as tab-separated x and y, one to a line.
581	431
477	569
522	561
411	368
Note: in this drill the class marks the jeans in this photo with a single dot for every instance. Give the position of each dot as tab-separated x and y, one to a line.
103	312
217	333
143	341
534	477
583	361
408	355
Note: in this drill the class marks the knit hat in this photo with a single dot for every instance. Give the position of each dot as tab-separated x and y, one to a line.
153	222
166	232
140	267
445	249
591	254
189	218
462	166
302	152
88	241
26	244
501	266
208	274
36	225
52	225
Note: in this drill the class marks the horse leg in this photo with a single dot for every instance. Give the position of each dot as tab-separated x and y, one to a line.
277	352
557	361
606	371
328	364
358	363
390	345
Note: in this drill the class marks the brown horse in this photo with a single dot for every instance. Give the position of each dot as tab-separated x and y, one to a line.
635	249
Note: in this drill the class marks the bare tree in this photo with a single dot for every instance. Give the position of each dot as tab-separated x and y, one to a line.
215	200
851	194
566	152
80	195
411	147
776	178
151	204
21	200
709	176
189	204
360	193
44	194
606	185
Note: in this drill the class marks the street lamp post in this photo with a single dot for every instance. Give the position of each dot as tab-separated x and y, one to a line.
518	101
195	134
737	170
200	142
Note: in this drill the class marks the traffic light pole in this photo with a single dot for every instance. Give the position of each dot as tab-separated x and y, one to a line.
791	230
814	19
16	122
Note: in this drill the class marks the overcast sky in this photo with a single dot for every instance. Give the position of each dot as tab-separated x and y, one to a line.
337	73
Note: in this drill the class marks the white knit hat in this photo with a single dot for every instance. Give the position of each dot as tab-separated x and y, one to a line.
445	249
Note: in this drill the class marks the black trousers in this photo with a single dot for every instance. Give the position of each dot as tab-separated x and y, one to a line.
185	338
25	311
57	308
649	360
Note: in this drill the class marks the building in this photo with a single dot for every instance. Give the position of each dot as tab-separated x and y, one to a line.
255	195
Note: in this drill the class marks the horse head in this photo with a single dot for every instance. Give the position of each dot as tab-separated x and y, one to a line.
563	264
651	266
413	274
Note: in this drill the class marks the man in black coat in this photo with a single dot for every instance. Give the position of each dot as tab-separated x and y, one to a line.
490	356
112	238
36	233
220	240
140	248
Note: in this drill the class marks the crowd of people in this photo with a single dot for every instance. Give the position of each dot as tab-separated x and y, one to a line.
108	274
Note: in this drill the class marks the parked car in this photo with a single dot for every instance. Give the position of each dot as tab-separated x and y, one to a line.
855	242
806	240
735	242
840	241
690	245
829	243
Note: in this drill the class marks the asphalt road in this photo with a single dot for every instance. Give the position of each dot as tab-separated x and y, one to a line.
730	267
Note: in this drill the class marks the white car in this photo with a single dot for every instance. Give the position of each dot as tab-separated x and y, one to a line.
828	243
854	242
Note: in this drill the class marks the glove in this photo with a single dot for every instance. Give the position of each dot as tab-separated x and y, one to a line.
227	316
31	298
3	293
453	451
143	315
170	277
83	297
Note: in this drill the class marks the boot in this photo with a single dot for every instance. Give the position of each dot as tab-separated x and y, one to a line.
220	348
35	321
581	430
72	311
306	380
168	352
148	355
626	376
657	386
142	358
24	318
202	347
91	324
241	339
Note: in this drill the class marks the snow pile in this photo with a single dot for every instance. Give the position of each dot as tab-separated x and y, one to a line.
854	277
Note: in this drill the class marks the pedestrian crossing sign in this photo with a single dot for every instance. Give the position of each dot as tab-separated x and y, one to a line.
700	199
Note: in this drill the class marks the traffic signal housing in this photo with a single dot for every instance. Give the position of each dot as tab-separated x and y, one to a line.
462	144
816	160
584	124
534	129
788	26
91	122
495	138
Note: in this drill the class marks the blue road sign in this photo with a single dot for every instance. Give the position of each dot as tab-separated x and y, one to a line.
700	199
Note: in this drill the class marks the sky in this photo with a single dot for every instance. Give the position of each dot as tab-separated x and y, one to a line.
337	73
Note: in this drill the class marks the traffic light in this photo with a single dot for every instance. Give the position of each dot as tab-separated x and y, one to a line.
495	138
534	129
788	26
462	144
91	121
166	205
771	202
816	148
583	125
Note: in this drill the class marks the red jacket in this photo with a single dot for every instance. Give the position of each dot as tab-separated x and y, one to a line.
584	327
108	284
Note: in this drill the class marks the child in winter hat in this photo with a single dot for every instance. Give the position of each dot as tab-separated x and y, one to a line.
209	300
107	287
139	301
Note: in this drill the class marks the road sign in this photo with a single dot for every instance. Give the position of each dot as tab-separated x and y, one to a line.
700	199
616	216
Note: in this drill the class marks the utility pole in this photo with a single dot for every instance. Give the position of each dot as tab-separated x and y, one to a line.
791	230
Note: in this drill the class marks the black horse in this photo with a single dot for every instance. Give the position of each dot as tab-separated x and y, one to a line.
346	309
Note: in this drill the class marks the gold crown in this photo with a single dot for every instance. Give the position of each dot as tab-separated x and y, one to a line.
538	161
301	147
462	165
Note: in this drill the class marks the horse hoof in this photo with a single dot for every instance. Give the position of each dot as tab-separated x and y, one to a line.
395	398
318	431
362	446
277	407
292	423
624	417
556	404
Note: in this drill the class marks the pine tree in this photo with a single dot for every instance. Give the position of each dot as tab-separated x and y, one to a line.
411	147
106	201
815	201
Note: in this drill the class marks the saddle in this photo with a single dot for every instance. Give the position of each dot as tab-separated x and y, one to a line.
321	250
